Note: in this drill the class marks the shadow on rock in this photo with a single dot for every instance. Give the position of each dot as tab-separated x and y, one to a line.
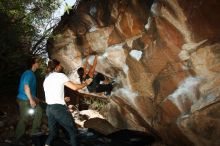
130	138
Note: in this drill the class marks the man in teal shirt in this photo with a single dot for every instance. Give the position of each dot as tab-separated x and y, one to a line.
27	100
27	79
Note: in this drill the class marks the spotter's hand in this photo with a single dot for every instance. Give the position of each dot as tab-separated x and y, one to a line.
88	81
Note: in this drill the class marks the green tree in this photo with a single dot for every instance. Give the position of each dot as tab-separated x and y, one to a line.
24	27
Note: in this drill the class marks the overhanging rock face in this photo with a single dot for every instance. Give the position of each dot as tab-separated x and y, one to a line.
164	56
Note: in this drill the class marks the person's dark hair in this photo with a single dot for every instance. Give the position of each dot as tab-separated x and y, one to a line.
31	61
80	72
100	77
52	65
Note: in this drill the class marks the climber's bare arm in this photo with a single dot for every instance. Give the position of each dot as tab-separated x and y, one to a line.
85	67
92	68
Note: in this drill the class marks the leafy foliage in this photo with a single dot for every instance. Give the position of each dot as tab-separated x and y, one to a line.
96	104
67	8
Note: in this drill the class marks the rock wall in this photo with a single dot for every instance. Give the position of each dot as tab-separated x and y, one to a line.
164	56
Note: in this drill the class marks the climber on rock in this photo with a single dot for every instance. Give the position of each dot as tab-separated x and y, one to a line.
96	85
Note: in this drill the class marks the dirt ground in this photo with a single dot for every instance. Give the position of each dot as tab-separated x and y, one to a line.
8	117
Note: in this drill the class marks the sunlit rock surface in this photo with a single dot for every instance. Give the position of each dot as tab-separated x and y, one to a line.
164	57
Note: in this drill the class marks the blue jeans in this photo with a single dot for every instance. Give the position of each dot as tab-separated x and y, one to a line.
59	114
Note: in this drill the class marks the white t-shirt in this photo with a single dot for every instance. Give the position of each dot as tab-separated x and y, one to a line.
54	88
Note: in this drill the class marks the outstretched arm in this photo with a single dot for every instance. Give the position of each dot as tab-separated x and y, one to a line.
92	68
74	86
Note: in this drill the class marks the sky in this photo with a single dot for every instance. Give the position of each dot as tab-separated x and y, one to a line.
56	16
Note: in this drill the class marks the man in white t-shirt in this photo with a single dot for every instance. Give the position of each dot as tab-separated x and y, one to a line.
57	111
